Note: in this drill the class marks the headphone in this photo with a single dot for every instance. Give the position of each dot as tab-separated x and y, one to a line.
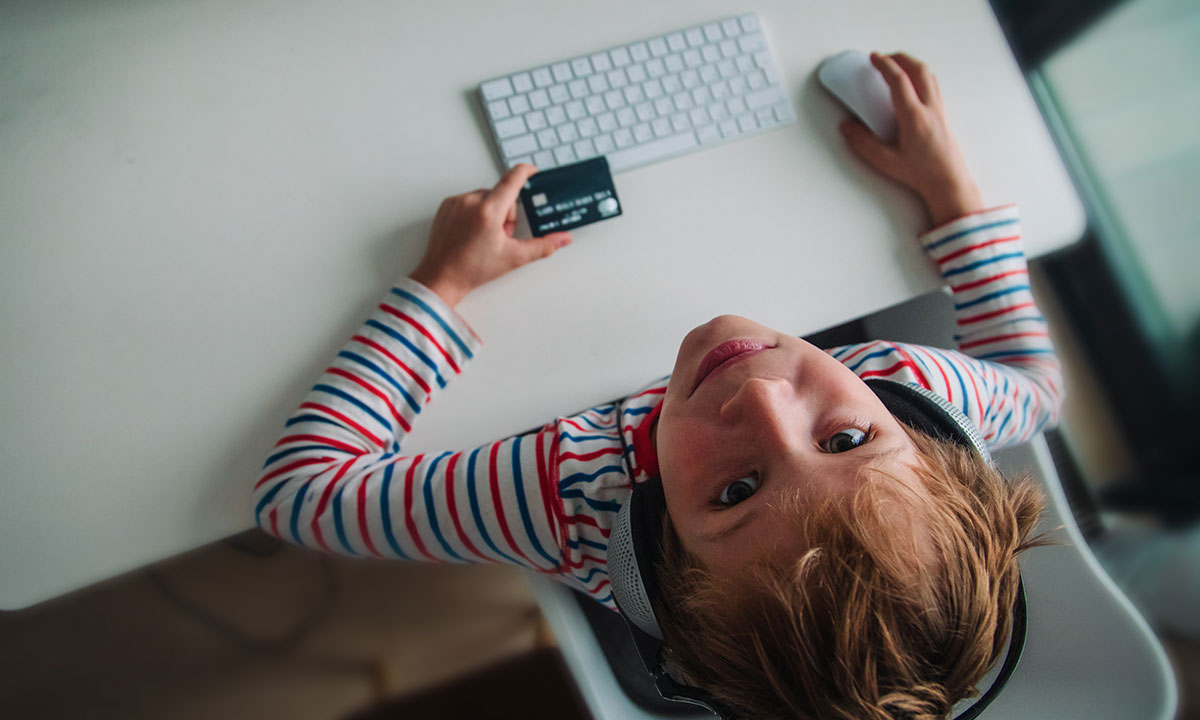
634	549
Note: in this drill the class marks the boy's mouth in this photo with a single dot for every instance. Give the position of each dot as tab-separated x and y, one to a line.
727	353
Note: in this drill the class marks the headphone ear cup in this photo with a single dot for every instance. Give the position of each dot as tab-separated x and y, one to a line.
930	413
634	549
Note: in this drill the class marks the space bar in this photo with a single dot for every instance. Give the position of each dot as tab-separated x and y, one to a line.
651	151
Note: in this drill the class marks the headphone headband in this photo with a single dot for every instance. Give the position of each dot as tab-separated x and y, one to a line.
634	550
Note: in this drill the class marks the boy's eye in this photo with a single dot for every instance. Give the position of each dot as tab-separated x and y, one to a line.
738	490
844	440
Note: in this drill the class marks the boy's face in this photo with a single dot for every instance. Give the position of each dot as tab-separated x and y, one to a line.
778	417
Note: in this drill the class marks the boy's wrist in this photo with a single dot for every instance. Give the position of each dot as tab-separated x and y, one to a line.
953	202
444	288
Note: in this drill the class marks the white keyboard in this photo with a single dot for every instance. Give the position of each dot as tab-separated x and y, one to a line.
641	102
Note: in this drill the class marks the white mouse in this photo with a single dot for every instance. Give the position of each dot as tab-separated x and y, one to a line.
852	78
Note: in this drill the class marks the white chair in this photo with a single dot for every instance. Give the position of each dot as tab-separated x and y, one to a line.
1088	653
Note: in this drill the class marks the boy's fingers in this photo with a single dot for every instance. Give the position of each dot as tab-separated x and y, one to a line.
545	246
505	193
904	96
869	147
920	75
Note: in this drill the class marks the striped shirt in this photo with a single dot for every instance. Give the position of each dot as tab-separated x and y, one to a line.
338	480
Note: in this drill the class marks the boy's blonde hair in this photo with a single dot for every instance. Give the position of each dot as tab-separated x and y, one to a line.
855	628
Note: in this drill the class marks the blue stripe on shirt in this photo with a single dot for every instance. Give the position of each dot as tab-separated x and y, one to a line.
438	318
441	381
519	482
981	263
474	501
968	231
353	401
385	512
609	505
431	511
383	374
868	356
337	518
990	296
583	476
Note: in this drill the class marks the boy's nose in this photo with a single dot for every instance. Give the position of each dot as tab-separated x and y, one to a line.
766	409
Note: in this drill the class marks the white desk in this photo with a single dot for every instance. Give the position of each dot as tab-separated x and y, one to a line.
200	202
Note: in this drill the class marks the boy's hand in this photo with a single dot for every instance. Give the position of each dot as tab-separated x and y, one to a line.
924	156
472	241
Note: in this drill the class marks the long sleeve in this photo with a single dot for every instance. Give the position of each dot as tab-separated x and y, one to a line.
338	480
1004	375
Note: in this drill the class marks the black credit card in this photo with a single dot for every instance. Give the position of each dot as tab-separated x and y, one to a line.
570	196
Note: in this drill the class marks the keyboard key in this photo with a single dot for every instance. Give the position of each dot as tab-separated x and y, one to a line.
737	85
607	122
555	115
562	72
653	89
547	138
564	154
747	123
559	94
752	43
601	63
680	122
523	159
542	77
701	95
614	99
683	101
539	99
726	68
519	104
655	68
744	63
674	63
510	127
522	82
765	118
671	84
645	112
658	47
598	83
729	129
620	57
737	106
568	133
578	88
639	52
709	74
617	79
642	133
498	109
729	48
720	90
544	160
605	144
717	111
709	133
731	27
664	106
768	96
710	53
626	116
651	151
634	94
623	137
585	149
676	42
694	37
588	127
582	66
594	104
636	73
698	117
497	89
536	120
519	145
756	80
712	32
750	22
576	110
661	127
692	58
689	78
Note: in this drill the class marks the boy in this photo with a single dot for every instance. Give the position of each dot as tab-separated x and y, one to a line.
821	545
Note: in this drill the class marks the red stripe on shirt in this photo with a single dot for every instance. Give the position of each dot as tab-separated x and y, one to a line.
291	466
494	481
454	509
855	354
396	361
986	280
374	391
585	520
421	329
972	248
321	439
315	525
362	430
408	518
544	483
893	370
986	316
590	456
362	516
651	391
998	338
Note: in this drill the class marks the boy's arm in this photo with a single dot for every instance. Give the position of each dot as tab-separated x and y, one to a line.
1005	375
337	479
